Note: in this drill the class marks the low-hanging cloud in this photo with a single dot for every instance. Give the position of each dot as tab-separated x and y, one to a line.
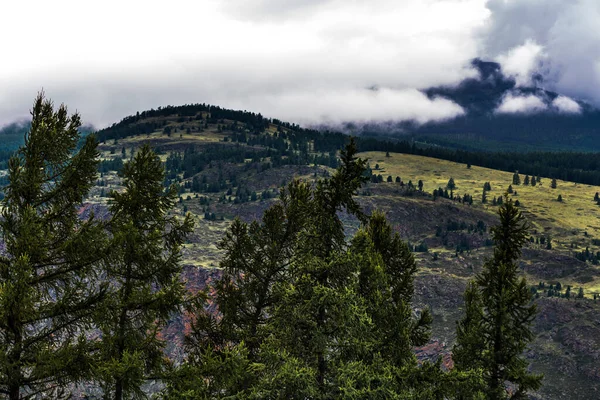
566	105
521	104
334	107
522	61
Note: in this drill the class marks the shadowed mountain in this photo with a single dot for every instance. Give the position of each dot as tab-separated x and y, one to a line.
488	126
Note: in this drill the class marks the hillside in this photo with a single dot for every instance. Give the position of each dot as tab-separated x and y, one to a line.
231	165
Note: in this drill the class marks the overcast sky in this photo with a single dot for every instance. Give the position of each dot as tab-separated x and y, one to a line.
305	61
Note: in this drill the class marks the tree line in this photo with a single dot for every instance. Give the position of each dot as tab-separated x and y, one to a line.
570	166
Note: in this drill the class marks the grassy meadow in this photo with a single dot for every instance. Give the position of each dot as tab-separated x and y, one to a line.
572	223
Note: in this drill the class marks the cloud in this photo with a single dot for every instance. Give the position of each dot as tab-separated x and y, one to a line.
566	30
364	105
302	60
112	59
517	104
521	62
566	105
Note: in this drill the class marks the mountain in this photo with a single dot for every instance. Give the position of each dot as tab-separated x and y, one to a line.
501	115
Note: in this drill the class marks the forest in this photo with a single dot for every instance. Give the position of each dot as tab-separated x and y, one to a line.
299	311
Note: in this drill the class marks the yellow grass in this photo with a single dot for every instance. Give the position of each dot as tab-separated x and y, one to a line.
565	222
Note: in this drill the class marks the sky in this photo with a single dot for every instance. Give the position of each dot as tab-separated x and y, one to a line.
303	61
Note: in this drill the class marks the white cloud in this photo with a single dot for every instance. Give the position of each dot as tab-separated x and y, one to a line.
114	58
566	105
522	61
567	31
512	104
336	107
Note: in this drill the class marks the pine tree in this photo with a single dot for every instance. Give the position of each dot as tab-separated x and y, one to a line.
516	179
553	184
502	321
49	290
468	352
144	270
305	314
533	181
451	185
526	180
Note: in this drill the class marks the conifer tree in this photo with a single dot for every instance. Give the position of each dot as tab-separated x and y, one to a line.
257	257
553	183
305	314
451	185
503	322
48	285
516	178
143	269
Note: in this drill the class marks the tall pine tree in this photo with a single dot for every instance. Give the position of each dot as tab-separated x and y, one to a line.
306	314
499	312
47	281
143	269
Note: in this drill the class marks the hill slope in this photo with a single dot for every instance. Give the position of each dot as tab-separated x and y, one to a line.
228	167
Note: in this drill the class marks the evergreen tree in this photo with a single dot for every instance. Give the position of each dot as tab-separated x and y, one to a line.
420	184
48	283
451	185
503	318
305	314
553	184
468	352
526	180
143	269
510	189
533	181
516	179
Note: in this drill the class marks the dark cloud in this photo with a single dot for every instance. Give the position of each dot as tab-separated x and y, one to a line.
566	33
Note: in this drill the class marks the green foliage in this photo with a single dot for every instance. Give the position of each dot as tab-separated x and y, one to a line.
48	286
143	269
306	314
497	325
516	178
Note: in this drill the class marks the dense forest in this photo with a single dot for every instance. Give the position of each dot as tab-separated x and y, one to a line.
300	311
